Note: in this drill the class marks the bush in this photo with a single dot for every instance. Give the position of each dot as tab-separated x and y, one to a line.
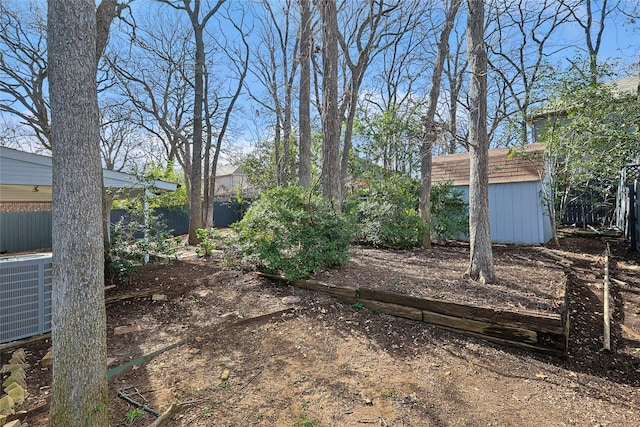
386	214
129	247
449	212
208	241
291	230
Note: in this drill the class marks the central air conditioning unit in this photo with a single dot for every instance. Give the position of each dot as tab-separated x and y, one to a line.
25	296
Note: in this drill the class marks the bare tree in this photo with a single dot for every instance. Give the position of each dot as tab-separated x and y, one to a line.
198	23
24	65
455	70
151	71
481	255
389	111
154	72
24	68
431	130
276	65
79	318
593	28
304	112
331	114
120	145
520	45
239	57
369	30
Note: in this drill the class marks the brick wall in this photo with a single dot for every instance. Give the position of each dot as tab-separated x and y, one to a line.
25	206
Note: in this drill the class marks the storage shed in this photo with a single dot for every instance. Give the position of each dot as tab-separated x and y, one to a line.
516	206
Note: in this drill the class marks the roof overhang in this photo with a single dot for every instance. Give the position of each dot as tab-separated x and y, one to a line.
27	177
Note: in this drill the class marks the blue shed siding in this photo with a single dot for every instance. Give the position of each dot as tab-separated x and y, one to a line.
516	213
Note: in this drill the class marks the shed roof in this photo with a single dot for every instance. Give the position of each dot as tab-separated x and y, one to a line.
28	177
504	167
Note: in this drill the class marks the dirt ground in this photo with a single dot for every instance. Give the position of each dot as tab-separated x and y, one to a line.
297	358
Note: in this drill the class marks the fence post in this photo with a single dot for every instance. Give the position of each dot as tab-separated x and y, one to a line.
607	319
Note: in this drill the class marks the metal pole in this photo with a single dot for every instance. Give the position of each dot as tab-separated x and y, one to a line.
607	318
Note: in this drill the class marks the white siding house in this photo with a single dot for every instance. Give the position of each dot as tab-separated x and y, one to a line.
516	209
230	179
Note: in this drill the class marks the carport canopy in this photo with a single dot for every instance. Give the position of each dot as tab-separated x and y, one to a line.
27	177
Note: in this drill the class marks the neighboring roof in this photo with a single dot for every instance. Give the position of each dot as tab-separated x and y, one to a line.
503	167
629	84
28	177
225	170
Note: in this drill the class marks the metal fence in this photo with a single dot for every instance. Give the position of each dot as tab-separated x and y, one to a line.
27	231
24	231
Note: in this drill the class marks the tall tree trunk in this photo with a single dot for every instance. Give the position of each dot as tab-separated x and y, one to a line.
430	128
195	202
78	317
481	255
331	120
209	169
277	143
195	176
106	12
348	128
286	141
223	129
304	165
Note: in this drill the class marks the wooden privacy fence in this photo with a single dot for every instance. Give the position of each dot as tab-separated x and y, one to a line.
543	332
590	209
628	205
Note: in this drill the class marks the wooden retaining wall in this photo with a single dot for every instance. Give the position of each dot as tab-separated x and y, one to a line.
543	332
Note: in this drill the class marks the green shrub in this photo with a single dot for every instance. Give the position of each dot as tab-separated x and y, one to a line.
129	245
291	230
386	215
208	241
449	212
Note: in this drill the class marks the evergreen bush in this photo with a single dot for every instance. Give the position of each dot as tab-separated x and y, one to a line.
449	212
386	214
295	231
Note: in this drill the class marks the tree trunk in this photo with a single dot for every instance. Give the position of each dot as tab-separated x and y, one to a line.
209	166
195	202
481	256
304	165
430	128
348	128
331	120
78	317
106	12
